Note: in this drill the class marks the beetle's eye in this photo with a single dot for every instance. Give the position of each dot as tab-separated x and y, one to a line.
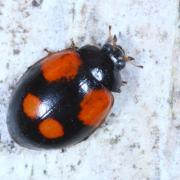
121	51
108	48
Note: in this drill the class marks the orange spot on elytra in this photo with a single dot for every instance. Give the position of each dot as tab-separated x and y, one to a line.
31	105
95	107
51	128
64	64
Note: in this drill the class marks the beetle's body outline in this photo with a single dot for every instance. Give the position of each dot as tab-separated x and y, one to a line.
64	97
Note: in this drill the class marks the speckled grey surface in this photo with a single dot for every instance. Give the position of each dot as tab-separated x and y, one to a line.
140	140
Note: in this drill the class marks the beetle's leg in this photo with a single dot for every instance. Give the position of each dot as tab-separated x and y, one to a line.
119	90
99	45
48	51
124	83
73	45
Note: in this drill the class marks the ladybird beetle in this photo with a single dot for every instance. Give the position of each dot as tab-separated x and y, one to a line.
64	97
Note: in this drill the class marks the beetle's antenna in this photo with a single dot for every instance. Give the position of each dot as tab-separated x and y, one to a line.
130	60
110	38
114	41
139	66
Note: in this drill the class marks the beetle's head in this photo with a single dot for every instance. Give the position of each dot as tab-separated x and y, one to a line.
116	53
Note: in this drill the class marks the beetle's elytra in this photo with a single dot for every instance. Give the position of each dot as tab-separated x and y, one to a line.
64	97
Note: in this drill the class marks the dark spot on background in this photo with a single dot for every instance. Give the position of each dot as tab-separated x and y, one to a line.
81	38
16	51
44	172
79	162
72	11
72	168
83	9
37	3
11	87
7	65
112	115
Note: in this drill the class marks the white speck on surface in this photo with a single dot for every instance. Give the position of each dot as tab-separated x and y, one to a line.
140	139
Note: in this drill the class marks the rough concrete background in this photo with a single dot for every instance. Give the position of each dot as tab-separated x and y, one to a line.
141	138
